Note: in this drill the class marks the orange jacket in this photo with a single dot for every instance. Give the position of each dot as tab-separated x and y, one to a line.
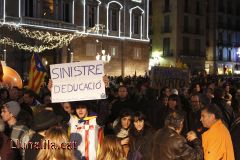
217	143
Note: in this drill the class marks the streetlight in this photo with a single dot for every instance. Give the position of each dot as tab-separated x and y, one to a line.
105	58
102	56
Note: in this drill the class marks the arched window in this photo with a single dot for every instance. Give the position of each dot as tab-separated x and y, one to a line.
92	13
114	17
29	8
136	22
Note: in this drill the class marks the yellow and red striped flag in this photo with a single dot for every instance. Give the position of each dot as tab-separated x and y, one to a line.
36	74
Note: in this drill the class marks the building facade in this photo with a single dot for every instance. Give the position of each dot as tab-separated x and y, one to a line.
179	32
204	34
223	36
121	30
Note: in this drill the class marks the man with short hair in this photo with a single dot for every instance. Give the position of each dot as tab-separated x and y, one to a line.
123	102
194	115
168	144
216	141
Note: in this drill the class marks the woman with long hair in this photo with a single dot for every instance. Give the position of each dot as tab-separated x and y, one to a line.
56	136
111	149
122	128
141	134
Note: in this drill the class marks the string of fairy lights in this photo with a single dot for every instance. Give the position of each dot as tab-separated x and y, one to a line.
48	40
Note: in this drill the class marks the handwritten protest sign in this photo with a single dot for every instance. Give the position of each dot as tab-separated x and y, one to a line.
77	81
169	77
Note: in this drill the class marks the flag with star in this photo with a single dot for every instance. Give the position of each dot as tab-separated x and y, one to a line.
36	74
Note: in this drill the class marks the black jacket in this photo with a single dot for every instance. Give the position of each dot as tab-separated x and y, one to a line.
169	145
235	132
141	142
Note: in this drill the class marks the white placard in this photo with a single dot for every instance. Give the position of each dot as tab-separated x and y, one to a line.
77	81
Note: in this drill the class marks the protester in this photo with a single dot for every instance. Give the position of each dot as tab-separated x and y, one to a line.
4	95
111	149
175	104
235	132
168	144
42	121
62	149
123	102
14	94
141	135
122	127
216	141
86	128
67	106
30	100
227	112
8	150
15	129
194	115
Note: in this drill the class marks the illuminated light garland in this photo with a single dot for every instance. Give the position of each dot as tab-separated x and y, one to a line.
36	49
55	40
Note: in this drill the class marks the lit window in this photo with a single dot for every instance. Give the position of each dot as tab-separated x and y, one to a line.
137	53
114	51
90	49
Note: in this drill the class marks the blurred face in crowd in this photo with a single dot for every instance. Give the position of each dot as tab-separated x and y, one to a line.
197	88
138	124
238	94
210	93
167	92
81	111
4	95
67	107
227	88
195	102
6	115
207	119
122	92
165	101
172	103
28	99
125	122
13	93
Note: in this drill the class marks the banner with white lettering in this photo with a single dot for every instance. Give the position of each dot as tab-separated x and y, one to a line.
77	81
169	77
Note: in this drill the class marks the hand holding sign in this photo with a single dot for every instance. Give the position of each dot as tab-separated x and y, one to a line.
77	81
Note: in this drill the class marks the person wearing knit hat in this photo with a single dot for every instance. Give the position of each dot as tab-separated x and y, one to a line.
9	112
13	107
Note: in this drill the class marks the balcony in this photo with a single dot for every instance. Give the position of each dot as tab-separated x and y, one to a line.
192	30
192	54
41	22
167	53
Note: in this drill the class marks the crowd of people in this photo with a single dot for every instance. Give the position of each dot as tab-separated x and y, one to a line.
135	122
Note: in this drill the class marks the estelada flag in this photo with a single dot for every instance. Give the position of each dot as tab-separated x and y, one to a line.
36	74
1	72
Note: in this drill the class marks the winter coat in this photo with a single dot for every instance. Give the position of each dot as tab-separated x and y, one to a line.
235	133
141	142
169	145
217	143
